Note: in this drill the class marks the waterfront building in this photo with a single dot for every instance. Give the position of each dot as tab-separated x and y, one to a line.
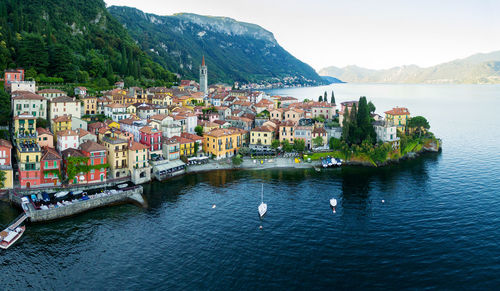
117	154
28	159
65	105
50	167
50	94
398	116
171	149
186	146
386	132
97	161
304	133
138	162
287	131
61	123
67	155
23	101
261	137
222	143
204	77
6	163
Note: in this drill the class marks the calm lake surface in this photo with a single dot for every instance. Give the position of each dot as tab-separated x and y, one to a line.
438	228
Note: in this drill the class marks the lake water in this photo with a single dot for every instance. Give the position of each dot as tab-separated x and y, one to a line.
438	228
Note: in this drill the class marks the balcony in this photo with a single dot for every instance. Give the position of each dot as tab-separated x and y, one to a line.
29	166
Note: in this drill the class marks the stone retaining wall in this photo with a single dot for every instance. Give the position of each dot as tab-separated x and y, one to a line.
133	195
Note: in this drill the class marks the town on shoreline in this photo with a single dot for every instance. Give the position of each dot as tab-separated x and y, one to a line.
83	137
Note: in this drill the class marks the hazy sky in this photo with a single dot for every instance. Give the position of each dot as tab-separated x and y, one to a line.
373	34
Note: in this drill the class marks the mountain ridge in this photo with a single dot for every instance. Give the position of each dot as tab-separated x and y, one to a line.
480	68
233	50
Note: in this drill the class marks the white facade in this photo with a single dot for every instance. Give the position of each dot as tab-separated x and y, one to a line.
65	105
31	103
386	132
29	86
134	128
67	141
116	112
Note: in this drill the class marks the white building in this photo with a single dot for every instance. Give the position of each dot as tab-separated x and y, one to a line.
29	86
24	101
323	109
67	139
386	132
116	111
50	94
65	105
133	126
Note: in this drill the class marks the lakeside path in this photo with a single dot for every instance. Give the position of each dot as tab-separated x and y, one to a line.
249	164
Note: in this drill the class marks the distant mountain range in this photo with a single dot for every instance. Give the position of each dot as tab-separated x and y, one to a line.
234	51
476	69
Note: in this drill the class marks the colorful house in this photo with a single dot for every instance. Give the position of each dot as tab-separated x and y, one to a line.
261	137
96	154
67	139
117	153
24	124
186	146
138	162
398	116
45	137
151	137
61	123
6	163
50	166
223	143
28	158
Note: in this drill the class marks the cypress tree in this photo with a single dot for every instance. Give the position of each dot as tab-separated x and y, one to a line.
325	97
320	98
333	98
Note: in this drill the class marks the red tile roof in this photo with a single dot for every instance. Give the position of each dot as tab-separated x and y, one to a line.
398	111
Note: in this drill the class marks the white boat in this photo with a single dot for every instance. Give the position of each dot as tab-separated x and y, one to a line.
61	194
77	193
262	206
10	236
121	186
333	202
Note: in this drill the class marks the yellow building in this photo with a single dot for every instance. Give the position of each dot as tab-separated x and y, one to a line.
60	123
117	155
24	123
261	137
89	105
223	143
138	163
398	116
186	146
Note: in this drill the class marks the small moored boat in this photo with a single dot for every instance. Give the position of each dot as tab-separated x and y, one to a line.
10	236
333	202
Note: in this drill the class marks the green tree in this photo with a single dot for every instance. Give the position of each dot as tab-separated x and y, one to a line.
287	147
41	122
237	160
332	100
199	130
196	148
320	99
418	124
5	113
306	100
325	97
3	177
371	107
334	143
32	52
299	145
275	144
318	141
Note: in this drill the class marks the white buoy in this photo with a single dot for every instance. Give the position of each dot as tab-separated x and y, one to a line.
260	227
383	201
213	206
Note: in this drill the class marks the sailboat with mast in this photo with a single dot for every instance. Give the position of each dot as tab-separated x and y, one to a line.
262	206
